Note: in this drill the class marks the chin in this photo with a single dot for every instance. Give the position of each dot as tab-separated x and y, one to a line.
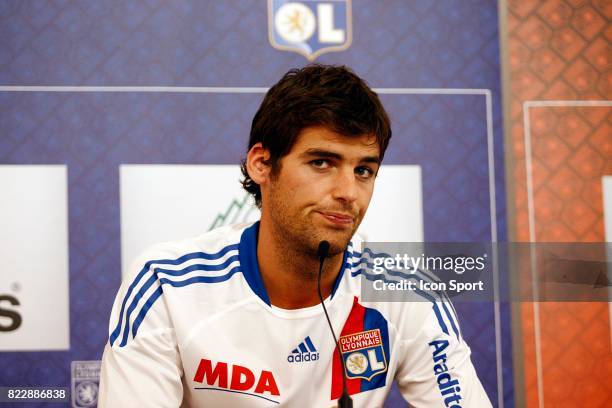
338	238
337	244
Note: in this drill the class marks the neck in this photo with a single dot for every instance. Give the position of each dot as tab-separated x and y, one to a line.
290	274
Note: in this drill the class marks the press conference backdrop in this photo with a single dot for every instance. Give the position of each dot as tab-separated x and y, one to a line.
122	124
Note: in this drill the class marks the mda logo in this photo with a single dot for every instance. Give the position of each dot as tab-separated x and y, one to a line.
310	28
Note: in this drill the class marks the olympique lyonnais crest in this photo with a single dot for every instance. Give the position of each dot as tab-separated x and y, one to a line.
364	350
85	383
310	27
363	354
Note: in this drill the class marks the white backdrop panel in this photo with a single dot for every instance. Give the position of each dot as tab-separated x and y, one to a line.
34	253
170	202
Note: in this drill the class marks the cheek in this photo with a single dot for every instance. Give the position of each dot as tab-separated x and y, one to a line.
366	196
303	185
297	191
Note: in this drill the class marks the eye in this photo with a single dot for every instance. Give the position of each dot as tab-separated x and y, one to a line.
320	163
364	171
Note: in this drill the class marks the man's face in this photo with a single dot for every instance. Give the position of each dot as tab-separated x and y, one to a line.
322	189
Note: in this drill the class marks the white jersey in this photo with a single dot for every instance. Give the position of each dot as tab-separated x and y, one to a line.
192	326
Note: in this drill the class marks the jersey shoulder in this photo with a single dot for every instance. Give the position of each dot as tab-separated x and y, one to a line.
206	245
169	279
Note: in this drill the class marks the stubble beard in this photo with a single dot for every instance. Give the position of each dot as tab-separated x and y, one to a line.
296	232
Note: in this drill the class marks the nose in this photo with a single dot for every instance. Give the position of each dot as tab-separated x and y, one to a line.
345	186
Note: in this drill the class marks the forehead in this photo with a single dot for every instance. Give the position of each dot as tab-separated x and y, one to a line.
321	137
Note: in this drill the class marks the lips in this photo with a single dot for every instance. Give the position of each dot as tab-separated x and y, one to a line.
338	218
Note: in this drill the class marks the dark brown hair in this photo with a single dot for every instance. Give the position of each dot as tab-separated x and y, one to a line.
331	96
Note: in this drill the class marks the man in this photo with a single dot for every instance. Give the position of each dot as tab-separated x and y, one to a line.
232	317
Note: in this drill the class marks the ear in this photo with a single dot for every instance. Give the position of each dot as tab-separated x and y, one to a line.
257	163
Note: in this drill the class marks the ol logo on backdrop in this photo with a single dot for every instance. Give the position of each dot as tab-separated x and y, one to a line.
310	27
85	383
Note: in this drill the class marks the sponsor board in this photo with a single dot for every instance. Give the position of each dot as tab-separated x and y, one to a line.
34	310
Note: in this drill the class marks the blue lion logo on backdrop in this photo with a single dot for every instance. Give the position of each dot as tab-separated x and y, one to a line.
310	27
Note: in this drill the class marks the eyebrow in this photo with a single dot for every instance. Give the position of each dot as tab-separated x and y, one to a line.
333	155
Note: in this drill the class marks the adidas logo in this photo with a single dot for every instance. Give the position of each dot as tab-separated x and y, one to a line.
305	351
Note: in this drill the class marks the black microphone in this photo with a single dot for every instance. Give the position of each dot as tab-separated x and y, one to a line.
345	400
323	250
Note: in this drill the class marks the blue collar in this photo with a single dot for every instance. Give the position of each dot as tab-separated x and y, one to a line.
247	253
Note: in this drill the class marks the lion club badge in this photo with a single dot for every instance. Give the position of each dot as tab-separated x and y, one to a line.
364	348
310	27
85	380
